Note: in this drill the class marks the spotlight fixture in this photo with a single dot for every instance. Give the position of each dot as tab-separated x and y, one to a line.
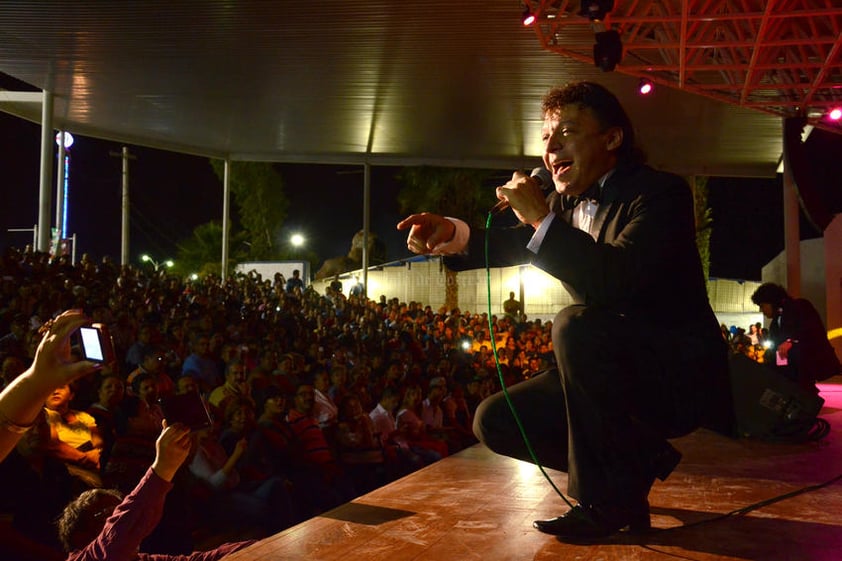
645	86
595	10
528	17
608	50
835	114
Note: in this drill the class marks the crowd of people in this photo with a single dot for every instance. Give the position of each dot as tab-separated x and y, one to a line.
752	342
313	399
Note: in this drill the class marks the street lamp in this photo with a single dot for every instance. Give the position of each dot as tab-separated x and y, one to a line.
147	259
297	240
64	140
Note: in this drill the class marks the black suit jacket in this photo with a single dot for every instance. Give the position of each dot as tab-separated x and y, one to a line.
811	356
644	264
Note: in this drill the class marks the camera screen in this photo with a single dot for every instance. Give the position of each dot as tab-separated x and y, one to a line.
91	346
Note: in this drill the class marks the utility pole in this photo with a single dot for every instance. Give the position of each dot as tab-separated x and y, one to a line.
124	238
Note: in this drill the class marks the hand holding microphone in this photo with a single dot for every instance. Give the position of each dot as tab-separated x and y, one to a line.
529	204
434	234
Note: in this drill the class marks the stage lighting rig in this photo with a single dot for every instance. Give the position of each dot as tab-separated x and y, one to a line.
645	86
528	18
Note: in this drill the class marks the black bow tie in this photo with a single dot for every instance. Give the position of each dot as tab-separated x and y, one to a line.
592	194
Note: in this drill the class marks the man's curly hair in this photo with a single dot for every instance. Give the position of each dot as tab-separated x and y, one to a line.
770	293
605	107
79	514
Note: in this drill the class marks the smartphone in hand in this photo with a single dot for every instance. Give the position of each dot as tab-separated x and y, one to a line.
188	409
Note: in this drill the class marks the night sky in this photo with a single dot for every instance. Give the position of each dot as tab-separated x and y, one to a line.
171	194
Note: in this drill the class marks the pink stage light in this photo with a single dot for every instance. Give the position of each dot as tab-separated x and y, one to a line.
528	17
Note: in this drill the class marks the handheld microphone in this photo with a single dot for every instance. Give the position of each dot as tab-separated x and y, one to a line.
541	175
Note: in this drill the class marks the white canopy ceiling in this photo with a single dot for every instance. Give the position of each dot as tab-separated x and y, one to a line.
353	81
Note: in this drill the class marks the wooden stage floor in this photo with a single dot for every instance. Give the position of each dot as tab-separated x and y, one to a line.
476	505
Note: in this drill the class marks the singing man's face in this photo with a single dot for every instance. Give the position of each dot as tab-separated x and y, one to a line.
576	149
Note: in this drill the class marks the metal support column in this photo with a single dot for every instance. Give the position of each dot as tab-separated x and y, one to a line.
44	199
366	221
792	237
226	200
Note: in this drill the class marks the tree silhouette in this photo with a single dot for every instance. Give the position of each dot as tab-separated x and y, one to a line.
463	193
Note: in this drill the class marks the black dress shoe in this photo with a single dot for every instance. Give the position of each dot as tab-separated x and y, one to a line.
587	522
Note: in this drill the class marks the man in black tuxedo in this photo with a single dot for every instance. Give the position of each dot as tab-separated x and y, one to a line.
800	349
640	355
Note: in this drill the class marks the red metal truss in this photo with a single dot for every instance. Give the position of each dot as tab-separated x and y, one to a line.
779	56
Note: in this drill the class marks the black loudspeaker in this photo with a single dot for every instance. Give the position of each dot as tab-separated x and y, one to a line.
766	403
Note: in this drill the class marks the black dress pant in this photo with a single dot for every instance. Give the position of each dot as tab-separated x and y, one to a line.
621	388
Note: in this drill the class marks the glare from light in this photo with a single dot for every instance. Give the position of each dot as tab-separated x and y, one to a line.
535	280
194	276
834	333
835	114
296	240
645	87
528	17
169	263
68	139
527	472
375	284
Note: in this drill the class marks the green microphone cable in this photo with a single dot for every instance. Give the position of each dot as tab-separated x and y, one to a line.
500	373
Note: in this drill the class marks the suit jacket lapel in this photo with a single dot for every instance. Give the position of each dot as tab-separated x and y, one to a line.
609	195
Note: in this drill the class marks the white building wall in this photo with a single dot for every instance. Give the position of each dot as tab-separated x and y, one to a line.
544	296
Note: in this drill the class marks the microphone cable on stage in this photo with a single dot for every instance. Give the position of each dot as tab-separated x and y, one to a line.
500	371
754	506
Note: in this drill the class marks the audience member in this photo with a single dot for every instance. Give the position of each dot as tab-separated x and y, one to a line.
101	525
52	367
383	417
74	437
295	283
107	412
37	486
412	428
201	365
11	368
262	504
276	446
152	362
235	386
360	452
325	410
317	450
139	349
